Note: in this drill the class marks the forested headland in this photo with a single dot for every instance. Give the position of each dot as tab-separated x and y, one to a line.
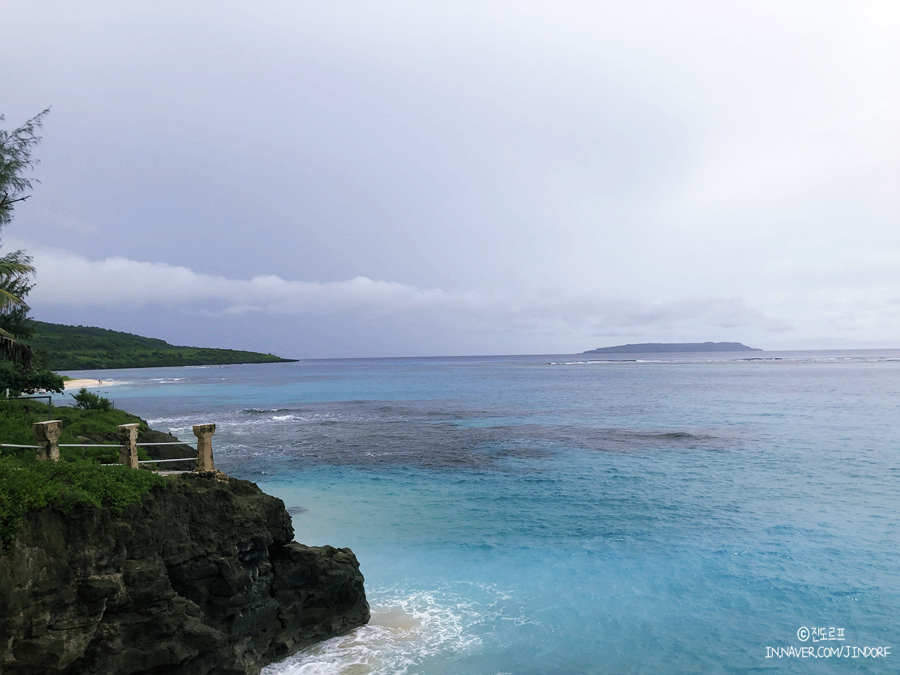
89	348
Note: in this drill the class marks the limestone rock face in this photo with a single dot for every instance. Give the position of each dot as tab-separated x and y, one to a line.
202	577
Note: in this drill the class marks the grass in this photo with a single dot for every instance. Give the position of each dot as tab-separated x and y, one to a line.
79	426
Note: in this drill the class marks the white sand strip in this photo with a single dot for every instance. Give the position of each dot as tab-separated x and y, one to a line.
87	382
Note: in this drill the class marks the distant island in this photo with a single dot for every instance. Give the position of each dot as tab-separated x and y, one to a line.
89	348
654	347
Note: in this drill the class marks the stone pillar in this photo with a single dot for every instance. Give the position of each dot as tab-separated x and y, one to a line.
128	434
204	433
47	434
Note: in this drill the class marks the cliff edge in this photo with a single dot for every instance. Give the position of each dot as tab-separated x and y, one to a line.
201	577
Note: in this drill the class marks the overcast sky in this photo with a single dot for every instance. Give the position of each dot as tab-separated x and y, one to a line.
322	179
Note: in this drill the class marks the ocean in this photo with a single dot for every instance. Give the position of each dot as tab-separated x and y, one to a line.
667	513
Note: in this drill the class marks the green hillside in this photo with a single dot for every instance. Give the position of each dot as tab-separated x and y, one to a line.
88	348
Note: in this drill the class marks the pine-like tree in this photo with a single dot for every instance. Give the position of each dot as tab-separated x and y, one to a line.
16	148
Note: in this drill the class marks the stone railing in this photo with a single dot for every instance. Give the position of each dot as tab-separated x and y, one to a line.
47	434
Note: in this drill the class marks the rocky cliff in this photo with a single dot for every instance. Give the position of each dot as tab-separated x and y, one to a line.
201	577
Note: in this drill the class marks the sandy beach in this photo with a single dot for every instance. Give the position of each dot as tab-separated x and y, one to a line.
88	382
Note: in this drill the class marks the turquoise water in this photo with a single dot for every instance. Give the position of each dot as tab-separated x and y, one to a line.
557	515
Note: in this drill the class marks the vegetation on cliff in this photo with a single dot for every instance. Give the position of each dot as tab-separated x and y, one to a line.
89	348
27	485
83	476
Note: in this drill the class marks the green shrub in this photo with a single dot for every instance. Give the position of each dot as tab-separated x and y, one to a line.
107	455
88	400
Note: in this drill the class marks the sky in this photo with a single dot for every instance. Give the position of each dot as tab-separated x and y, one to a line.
412	178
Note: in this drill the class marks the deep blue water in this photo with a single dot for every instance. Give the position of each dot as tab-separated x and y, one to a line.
556	515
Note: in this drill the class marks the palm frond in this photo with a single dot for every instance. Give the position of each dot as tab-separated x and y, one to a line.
15	351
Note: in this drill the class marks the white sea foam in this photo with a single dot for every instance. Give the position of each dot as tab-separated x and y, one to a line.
403	631
166	420
768	357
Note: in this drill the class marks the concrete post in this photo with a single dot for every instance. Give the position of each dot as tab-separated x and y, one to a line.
47	434
204	433
128	434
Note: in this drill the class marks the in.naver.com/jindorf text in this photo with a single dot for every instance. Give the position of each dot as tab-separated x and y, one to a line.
828	642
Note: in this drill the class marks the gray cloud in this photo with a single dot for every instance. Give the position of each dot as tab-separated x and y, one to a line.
73	281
